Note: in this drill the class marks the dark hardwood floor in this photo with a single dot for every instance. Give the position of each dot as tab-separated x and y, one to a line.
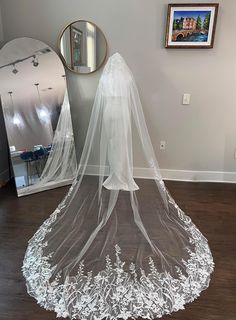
211	206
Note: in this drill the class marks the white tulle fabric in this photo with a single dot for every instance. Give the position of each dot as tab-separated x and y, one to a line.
116	140
117	246
61	165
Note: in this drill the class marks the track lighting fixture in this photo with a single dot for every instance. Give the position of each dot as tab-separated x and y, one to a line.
15	71
35	61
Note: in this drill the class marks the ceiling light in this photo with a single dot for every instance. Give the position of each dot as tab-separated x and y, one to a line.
43	51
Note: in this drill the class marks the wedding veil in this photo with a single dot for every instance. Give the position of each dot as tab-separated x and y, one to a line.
117	246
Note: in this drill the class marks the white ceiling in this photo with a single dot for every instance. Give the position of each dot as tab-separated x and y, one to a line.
47	74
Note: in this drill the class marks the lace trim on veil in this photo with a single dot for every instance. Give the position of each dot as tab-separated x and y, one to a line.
113	292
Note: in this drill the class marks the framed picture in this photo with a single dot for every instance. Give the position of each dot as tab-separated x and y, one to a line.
191	25
76	37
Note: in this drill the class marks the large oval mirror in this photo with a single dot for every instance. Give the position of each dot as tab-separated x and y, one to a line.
35	108
83	47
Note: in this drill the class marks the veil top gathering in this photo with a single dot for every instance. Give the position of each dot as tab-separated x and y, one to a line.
117	246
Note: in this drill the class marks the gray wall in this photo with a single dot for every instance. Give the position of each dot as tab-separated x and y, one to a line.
201	136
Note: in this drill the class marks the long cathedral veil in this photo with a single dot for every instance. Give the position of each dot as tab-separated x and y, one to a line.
117	246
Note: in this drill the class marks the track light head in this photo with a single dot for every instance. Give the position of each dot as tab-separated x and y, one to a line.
15	71
35	61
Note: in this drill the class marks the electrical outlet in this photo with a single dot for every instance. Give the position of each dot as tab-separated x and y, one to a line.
162	145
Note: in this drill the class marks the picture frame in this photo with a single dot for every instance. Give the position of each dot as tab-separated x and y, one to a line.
191	25
76	39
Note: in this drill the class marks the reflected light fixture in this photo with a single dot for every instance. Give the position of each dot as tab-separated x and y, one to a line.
15	71
42	111
43	114
37	88
35	61
12	103
46	89
16	118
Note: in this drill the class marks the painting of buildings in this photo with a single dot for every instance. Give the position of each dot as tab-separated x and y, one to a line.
191	26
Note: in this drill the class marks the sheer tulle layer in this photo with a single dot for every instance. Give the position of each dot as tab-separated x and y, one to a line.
117	247
61	165
126	279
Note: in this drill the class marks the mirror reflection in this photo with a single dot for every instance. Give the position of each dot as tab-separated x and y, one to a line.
83	47
32	91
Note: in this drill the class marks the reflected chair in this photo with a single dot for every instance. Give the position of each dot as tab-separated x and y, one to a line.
28	158
49	148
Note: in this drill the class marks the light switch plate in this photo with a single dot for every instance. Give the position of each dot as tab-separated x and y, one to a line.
186	98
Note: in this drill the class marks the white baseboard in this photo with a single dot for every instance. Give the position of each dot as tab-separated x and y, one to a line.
199	176
178	175
4	176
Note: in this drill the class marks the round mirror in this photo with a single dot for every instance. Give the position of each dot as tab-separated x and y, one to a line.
83	47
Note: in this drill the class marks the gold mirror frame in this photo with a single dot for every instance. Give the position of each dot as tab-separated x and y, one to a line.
62	57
